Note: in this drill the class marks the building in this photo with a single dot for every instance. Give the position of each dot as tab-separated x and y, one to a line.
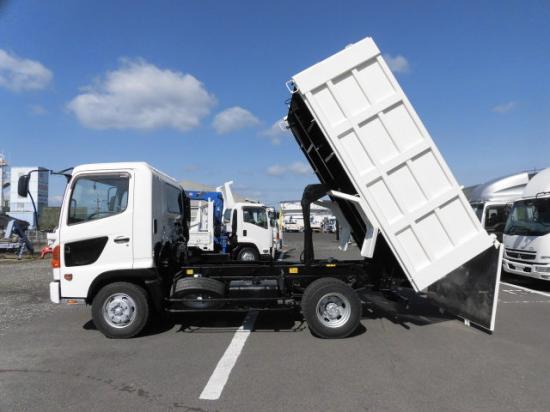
21	207
4	182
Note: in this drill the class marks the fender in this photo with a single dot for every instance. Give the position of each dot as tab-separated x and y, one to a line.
148	278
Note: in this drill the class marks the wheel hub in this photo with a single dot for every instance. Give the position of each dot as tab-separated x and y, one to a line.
247	256
333	310
119	310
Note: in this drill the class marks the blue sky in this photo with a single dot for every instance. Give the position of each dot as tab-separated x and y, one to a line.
211	82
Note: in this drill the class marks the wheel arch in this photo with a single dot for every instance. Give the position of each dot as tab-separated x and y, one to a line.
149	279
241	246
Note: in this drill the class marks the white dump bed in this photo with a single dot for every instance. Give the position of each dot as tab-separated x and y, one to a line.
408	190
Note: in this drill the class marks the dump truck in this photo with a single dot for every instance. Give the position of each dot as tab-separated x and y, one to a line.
123	229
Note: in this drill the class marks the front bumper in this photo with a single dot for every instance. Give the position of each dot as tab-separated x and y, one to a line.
524	269
55	292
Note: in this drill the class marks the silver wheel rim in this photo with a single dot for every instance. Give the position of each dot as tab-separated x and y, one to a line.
119	310
248	256
333	310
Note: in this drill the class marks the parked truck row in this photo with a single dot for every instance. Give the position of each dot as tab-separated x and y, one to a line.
517	209
124	242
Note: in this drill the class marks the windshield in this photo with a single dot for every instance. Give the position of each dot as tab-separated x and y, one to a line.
227	215
495	218
478	210
529	218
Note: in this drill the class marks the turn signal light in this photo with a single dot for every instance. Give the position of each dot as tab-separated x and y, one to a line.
68	276
56	261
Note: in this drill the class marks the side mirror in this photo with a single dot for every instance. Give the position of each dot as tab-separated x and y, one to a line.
23	185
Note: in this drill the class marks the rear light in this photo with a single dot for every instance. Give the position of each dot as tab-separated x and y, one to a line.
56	260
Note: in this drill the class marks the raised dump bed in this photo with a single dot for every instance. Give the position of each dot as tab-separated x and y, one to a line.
366	142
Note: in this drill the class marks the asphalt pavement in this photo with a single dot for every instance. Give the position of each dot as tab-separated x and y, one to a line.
52	358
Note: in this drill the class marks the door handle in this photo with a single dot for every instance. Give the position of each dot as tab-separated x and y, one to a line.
122	239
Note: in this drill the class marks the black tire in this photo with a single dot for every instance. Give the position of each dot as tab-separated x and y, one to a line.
195	288
348	316
248	251
114	293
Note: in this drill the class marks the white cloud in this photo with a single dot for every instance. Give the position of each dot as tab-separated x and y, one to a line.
140	95
276	170
19	74
37	109
275	133
505	107
234	118
299	168
296	168
398	63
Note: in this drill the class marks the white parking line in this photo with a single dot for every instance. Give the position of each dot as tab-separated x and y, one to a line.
219	377
538	292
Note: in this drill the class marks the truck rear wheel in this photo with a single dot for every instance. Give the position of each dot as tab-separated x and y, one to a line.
200	289
120	310
331	308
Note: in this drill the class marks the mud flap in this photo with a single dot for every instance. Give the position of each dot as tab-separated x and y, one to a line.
471	291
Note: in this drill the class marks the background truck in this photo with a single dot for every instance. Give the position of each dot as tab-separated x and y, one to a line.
123	228
206	229
293	223
252	229
527	231
211	229
492	201
9	240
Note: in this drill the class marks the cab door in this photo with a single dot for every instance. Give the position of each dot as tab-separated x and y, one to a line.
96	233
255	228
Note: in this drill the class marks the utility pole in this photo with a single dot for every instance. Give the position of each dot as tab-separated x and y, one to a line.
3	178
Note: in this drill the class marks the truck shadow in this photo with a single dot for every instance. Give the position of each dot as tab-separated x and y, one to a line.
227	322
409	309
415	311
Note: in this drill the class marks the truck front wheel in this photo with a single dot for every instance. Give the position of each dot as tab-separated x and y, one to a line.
120	310
248	254
331	308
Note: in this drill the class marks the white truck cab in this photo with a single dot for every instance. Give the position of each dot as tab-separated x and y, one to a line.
254	230
118	220
492	200
250	226
527	231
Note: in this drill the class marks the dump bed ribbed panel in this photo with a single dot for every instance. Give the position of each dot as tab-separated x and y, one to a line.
391	161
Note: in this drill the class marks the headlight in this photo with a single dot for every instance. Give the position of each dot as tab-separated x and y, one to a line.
543	269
